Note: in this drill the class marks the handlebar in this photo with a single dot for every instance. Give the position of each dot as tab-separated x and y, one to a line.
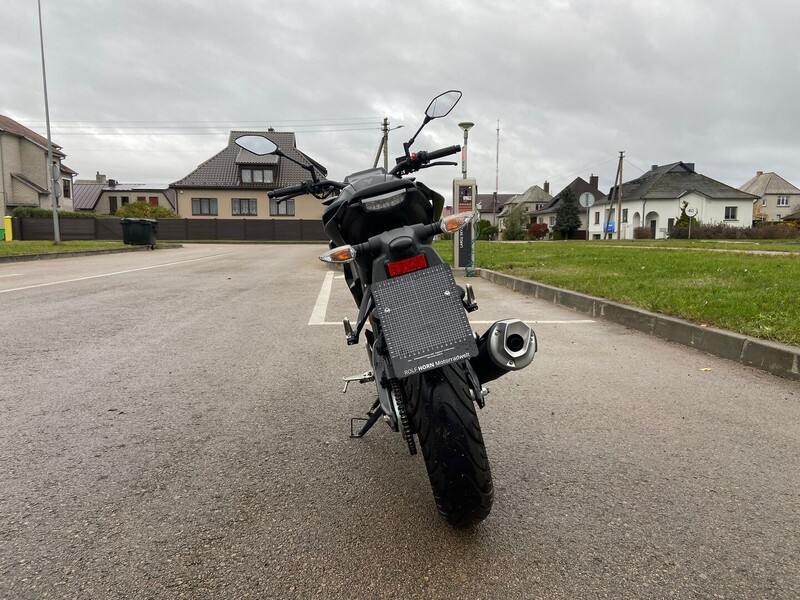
419	160
307	187
434	154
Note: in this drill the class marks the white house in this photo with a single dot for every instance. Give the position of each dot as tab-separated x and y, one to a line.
654	201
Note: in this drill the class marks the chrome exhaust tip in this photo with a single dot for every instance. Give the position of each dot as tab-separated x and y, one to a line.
508	345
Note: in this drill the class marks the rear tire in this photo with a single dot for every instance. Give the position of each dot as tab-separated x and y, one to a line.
452	443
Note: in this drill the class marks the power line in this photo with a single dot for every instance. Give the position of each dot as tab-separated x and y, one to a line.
187	133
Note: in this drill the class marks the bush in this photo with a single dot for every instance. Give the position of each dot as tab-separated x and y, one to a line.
537	231
45	213
143	210
642	233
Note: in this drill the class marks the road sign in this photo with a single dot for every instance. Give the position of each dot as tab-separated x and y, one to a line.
691	211
586	199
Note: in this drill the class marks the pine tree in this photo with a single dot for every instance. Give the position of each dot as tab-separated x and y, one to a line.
568	218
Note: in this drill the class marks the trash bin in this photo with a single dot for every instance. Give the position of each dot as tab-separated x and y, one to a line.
139	232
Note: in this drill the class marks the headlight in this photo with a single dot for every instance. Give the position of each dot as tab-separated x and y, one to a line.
383	201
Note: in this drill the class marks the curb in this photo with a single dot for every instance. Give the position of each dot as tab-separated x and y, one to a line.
51	255
778	359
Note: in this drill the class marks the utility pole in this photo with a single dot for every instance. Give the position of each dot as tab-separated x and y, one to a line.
619	194
49	170
615	196
384	145
496	175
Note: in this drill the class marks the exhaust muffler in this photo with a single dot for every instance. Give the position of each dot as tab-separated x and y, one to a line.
508	345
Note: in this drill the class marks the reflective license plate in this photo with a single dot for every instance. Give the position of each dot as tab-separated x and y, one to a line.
423	320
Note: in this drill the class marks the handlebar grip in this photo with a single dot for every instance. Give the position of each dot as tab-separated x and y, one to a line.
287	191
442	152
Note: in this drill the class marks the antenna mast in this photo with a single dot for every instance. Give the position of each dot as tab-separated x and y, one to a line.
497	165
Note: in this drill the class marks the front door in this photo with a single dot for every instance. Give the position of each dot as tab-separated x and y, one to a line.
112	204
653	229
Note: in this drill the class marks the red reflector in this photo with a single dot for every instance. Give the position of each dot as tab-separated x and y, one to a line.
407	265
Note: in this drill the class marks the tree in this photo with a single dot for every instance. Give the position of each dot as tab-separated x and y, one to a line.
684	219
568	219
486	231
514	223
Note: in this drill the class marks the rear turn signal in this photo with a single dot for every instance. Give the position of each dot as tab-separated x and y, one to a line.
456	222
407	265
342	254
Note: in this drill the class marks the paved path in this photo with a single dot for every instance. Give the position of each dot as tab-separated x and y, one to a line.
173	427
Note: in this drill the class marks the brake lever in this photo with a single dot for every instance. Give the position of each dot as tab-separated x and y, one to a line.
440	164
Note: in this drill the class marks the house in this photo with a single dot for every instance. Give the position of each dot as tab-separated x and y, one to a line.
24	176
104	196
234	183
579	186
654	200
490	205
776	197
531	200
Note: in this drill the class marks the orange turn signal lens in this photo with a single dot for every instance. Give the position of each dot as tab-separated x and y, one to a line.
456	222
342	254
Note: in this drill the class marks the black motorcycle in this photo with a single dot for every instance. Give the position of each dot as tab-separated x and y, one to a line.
428	366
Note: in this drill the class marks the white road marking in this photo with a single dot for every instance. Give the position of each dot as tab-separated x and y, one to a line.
169	264
11	275
321	307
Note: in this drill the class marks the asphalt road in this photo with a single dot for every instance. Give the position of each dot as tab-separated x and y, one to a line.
171	426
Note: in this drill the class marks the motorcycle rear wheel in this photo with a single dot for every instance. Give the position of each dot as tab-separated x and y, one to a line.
447	426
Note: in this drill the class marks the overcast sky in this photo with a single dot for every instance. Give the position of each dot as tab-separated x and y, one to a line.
145	90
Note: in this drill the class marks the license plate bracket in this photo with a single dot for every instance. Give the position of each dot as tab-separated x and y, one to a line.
423	320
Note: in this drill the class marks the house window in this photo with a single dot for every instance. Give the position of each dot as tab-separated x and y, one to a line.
153	200
140	198
552	221
624	215
597	217
66	186
763	202
125	200
783	200
204	206
244	206
730	213
250	175
284	208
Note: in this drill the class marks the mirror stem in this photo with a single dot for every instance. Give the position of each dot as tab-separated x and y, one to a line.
309	168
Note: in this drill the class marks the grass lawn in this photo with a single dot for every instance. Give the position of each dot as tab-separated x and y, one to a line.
755	295
17	248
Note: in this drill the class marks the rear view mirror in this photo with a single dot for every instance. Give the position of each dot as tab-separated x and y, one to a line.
257	144
442	104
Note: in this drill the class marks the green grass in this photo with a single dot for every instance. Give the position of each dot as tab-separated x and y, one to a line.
17	248
756	295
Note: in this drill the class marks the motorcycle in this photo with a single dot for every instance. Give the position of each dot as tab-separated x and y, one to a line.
428	367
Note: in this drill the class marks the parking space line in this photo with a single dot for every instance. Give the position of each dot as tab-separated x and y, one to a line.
11	275
321	306
169	264
530	322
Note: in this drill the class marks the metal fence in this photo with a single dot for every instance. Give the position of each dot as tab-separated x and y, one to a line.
289	230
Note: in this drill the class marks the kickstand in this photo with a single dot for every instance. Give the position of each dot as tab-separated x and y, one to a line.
372	417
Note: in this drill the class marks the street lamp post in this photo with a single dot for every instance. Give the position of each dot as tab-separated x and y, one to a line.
465	126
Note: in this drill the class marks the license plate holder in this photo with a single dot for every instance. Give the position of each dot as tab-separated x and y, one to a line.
423	320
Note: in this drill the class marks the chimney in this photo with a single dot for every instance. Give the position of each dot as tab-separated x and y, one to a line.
112	182
758	173
546	187
653	167
271	129
100	178
594	182
689	166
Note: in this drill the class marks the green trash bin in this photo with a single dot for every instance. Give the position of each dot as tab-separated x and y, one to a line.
139	232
